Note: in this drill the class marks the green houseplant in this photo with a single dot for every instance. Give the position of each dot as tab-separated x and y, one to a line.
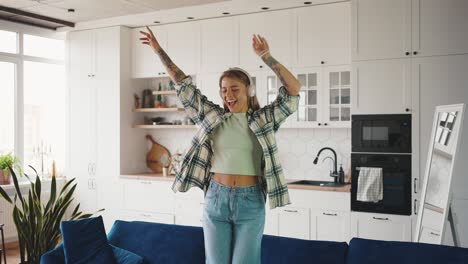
37	223
8	160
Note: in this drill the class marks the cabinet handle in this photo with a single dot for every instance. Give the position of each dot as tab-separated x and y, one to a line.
261	66
89	173
291	211
93	168
415	185
89	185
415	53
415	206
322	62
319	124
145	182
145	215
329	214
434	234
407	53
380	218
325	124
407	109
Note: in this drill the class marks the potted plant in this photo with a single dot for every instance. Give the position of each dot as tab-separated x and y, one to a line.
8	160
38	223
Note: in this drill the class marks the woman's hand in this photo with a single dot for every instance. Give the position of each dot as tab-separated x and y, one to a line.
260	45
150	40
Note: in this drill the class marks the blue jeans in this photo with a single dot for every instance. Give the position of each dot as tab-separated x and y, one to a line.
233	223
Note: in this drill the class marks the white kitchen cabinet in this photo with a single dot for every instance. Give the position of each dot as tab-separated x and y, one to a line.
183	45
381	87
149	196
145	62
329	225
94	91
323	35
384	29
381	226
275	27
439	27
148	217
219	44
380	29
208	83
294	222
325	97
82	94
189	207
271	221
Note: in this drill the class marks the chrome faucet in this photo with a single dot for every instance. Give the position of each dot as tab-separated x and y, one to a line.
338	176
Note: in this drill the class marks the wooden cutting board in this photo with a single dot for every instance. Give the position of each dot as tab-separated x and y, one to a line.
153	157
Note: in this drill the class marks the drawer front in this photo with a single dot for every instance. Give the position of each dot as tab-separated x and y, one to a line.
148	217
338	201
149	196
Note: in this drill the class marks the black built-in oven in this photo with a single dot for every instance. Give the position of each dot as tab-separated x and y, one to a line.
381	133
383	141
396	170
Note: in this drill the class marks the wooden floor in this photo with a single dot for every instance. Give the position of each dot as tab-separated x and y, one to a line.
12	253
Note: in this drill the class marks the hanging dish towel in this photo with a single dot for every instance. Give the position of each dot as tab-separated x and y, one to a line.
370	185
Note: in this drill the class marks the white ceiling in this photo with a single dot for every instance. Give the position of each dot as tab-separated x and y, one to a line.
87	10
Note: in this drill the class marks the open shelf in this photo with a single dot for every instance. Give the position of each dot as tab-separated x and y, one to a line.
163	126
161	109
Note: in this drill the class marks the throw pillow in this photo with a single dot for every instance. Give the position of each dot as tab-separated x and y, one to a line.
85	241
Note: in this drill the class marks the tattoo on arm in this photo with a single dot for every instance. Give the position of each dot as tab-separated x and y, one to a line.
172	69
275	66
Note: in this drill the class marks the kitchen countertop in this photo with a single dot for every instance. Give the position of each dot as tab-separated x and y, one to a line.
160	177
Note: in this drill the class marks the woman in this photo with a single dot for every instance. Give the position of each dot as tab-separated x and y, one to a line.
233	157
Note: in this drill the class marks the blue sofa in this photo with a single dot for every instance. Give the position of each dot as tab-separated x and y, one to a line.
162	243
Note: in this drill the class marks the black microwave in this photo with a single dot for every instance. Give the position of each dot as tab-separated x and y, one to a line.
381	133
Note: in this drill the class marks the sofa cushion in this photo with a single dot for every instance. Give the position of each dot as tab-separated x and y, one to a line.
123	256
289	250
55	256
159	243
85	241
364	251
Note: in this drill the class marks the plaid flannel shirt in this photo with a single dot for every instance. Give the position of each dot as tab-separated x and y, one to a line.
196	162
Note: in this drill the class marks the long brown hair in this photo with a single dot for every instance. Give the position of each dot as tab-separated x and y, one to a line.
243	78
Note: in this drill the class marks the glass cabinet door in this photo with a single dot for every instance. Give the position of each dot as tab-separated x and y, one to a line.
339	95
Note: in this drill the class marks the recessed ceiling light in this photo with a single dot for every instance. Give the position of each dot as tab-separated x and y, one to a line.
156	22
226	13
265	8
71	10
307	3
190	17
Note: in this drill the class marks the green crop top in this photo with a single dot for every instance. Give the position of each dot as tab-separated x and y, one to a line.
236	149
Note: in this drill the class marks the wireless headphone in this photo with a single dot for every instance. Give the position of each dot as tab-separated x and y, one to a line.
251	87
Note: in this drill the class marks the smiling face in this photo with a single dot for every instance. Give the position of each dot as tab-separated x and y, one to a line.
234	94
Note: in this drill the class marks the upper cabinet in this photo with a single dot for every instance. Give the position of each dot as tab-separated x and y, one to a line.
219	44
384	29
323	35
146	63
275	27
382	87
325	97
183	45
439	27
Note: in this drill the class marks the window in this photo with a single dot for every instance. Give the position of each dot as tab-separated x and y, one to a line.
44	47
7	106
9	41
44	115
32	109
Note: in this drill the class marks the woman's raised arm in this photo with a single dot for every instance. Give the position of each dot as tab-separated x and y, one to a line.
174	72
289	81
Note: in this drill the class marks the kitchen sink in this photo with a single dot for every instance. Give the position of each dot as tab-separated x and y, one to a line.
318	183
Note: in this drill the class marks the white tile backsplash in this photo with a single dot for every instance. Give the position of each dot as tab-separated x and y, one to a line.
297	149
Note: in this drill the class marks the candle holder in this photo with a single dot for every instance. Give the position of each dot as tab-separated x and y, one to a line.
41	152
